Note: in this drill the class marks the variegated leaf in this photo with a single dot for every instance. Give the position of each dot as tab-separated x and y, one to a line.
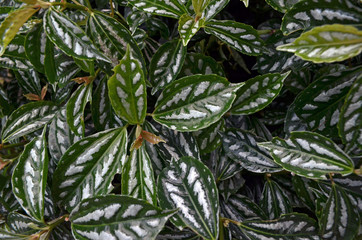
102	112
199	6
127	90
7	235
197	63
135	19
188	27
189	185
208	138
75	108
213	8
350	123
225	168
293	123
292	226
35	42
117	217
112	38
12	23
310	155
69	37
328	43
282	5
309	14
88	166
137	176
166	64
21	224
167	8
274	201
303	188
85	65
242	147
195	102
29	81
30	176
239	36
339	219
14	57
8	202
257	93
27	119
231	186
319	105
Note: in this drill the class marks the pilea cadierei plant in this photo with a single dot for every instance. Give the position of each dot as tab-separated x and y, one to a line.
180	119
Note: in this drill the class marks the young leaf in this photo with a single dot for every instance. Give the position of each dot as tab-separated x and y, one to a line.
69	37
257	93
189	185
308	14
35	43
10	26
288	227
199	6
242	147
88	166
274	201
167	8
188	27
241	37
166	64
350	123
127	90
75	108
310	155
137	176
117	217
30	176
195	102
27	119
340	219
328	43
319	104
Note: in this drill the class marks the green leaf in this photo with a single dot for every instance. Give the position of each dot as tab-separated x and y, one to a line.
69	37
21	224
194	102
85	65
257	93
30	176
213	8
88	166
197	63
350	123
310	155
319	105
112	38
274	201
7	235
199	6
102	112
309	14
8	201
208	138
340	219
127	90
225	167
282	5
188	27
292	226
75	108
35	43
117	217
167	8
29	81
166	64
241	37
14	57
189	185
242	147
12	23
328	43
135	19
27	119
231	186
303	188
137	176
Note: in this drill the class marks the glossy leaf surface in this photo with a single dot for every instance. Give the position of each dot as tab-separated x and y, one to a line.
188	27
167	8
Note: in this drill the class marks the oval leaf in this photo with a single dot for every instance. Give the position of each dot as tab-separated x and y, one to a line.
197	63
257	93
194	102
167	8
117	217
127	90
310	155
88	167
328	43
27	119
30	177
188	27
189	185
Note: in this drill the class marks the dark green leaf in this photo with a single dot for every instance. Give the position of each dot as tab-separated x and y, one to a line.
167	8
196	63
22	224
208	138
282	5
35	42
29	81
188	27
213	8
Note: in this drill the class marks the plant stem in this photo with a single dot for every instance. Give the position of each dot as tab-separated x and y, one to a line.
226	221
112	9
13	145
70	5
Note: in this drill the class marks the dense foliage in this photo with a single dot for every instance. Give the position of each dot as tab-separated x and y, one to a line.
180	119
